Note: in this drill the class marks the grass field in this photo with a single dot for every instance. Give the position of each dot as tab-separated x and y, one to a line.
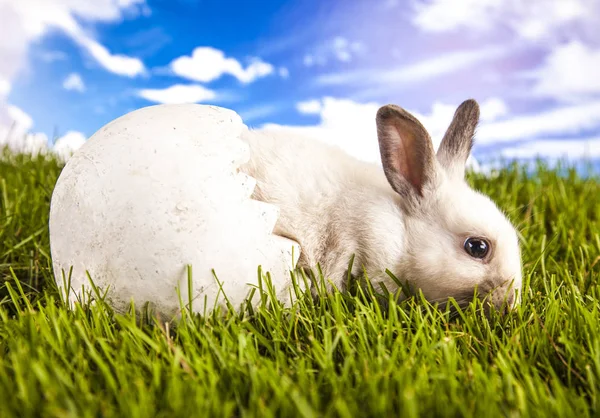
343	356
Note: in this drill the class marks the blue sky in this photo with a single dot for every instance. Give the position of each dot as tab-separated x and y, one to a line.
70	66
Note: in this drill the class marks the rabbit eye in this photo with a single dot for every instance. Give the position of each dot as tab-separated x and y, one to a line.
477	247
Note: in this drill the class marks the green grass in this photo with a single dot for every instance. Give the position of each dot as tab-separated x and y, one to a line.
341	356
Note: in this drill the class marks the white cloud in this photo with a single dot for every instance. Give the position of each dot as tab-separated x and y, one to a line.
22	121
309	107
563	120
284	72
532	20
308	60
443	15
30	143
15	127
116	64
344	123
569	73
67	144
74	82
207	64
25	21
178	93
415	72
570	148
15	133
492	109
256	69
338	48
4	87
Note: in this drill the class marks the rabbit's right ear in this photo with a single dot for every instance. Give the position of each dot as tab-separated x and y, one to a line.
406	150
458	140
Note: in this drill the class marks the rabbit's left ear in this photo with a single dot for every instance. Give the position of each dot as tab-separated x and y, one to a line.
407	153
458	140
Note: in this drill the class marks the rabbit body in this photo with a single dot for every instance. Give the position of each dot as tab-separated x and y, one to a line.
333	205
413	216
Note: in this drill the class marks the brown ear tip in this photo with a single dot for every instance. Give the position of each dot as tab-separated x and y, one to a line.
389	111
469	108
470	104
385	112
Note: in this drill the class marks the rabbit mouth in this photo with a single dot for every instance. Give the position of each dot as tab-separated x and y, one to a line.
501	299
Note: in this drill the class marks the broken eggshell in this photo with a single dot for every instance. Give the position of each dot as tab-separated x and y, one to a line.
154	191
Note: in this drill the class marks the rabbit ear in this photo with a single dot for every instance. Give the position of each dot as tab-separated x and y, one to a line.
406	150
458	140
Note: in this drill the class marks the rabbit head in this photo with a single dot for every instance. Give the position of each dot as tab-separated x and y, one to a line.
456	239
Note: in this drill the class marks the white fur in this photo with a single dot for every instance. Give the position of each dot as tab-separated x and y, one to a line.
334	206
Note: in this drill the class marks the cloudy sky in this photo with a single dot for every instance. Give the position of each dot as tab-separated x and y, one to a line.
67	67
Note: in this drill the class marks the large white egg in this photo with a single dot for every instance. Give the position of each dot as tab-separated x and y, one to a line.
157	190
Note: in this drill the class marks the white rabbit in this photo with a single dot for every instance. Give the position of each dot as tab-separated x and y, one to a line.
417	217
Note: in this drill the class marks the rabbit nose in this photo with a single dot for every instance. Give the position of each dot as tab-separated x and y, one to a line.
503	299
